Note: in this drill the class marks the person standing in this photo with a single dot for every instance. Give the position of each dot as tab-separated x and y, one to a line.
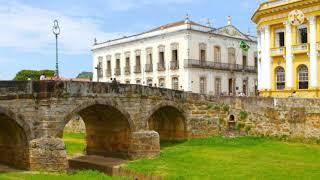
42	77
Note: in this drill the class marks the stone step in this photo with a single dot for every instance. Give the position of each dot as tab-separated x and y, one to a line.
107	165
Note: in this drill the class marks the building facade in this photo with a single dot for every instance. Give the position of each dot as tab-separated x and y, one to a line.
184	56
288	45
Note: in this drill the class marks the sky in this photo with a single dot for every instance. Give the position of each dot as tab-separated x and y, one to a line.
27	41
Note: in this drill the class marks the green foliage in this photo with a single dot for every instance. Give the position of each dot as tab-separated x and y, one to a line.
85	75
240	126
233	158
209	106
243	115
226	108
23	75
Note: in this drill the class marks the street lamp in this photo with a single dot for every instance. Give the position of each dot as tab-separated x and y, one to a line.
56	32
98	68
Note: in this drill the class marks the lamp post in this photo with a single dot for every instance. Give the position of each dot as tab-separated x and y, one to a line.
56	32
98	68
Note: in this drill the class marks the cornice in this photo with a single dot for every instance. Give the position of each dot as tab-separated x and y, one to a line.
262	14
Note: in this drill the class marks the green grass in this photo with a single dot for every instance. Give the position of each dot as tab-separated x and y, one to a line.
239	158
211	158
80	175
75	143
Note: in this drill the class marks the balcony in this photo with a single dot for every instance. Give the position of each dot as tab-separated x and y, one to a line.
279	51
137	69
174	65
127	70
149	68
117	71
300	48
108	72
192	63
161	67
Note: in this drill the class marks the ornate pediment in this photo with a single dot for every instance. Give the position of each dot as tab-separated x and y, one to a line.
230	31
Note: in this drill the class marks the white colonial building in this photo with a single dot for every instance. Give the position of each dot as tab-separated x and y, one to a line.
184	56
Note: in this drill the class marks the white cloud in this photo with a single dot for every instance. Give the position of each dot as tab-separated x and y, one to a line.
30	29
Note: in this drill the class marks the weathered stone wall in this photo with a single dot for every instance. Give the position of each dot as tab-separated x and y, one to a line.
123	119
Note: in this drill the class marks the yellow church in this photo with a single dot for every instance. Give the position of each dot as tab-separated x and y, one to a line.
288	33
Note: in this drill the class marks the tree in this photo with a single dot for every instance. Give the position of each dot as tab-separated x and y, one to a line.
88	75
33	74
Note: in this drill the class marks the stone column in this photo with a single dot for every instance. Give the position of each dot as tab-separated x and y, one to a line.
288	57
313	53
48	154
259	57
265	58
144	144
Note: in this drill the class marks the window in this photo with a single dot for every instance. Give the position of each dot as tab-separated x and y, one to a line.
280	42
149	56
127	81
175	83
99	67
256	60
217	85
217	54
127	61
138	81
245	86
280	78
118	63
175	55
149	82
162	83
232	55
302	35
244	60
203	85
303	77
203	53
161	58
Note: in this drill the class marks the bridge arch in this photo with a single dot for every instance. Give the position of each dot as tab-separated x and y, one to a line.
169	120
15	135
108	127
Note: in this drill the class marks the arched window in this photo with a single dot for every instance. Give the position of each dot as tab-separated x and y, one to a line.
280	78
303	79
175	83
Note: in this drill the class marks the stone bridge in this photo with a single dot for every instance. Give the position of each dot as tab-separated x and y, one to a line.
128	121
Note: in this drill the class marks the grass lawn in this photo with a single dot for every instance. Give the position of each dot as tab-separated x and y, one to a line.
75	143
211	158
239	158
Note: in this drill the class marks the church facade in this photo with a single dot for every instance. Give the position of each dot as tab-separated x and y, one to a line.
183	56
288	46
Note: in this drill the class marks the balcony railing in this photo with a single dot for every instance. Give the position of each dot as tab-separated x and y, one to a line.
161	67
174	65
192	63
117	71
300	48
279	51
108	72
149	68
137	69
127	70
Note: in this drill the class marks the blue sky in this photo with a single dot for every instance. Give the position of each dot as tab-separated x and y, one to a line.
27	42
